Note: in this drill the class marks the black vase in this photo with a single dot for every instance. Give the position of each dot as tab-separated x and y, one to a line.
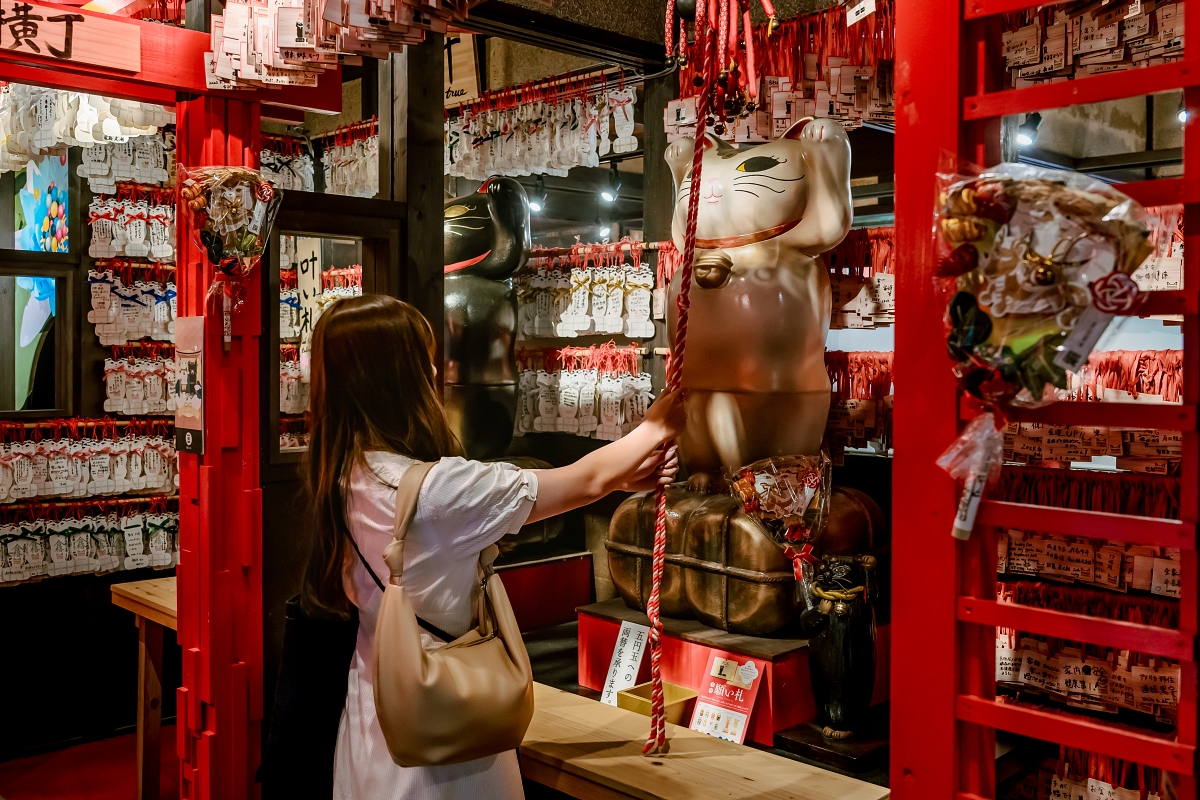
841	645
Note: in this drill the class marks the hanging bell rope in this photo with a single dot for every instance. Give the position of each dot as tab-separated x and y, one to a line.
708	12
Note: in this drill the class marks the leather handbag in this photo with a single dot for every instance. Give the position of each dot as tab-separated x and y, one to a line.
458	701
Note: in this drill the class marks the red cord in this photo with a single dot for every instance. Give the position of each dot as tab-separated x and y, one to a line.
658	727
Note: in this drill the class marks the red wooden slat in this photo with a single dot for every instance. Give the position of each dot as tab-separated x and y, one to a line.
1080	732
1094	89
1077	627
974	9
1095	524
1158	416
1162	192
1181	302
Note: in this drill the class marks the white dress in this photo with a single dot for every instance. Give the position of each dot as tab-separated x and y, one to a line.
464	506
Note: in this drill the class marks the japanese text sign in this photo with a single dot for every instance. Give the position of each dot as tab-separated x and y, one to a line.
726	696
55	33
626	660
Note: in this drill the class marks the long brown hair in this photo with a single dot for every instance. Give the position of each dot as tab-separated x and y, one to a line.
372	388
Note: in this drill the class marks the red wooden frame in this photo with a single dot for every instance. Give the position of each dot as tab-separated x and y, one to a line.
944	711
220	704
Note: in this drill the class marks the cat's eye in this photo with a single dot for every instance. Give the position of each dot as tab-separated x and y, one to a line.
455	211
758	164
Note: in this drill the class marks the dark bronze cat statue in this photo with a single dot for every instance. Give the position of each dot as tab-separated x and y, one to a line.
840	624
486	240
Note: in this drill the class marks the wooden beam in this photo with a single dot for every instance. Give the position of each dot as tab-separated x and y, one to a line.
424	279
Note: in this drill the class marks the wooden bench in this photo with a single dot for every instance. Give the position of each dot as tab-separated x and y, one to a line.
593	751
153	604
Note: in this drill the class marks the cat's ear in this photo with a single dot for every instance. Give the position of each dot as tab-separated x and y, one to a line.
679	158
679	154
794	131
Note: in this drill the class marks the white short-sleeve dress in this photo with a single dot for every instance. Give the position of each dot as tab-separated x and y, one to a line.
464	506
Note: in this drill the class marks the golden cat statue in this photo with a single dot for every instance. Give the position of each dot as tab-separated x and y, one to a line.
760	299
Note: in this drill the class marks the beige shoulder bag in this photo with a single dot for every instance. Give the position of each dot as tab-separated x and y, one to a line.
466	699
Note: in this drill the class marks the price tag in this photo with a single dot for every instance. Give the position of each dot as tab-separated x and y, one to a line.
860	12
626	660
1008	665
1165	577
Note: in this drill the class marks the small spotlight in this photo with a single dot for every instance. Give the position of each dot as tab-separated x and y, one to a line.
537	200
605	232
1182	115
1027	133
610	192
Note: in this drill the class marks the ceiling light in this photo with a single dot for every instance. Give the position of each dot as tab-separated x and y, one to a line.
610	192
537	200
605	232
1027	133
1182	115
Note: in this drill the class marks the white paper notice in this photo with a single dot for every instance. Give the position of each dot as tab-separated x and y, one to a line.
626	659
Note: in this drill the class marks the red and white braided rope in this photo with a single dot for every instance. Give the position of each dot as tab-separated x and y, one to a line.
658	726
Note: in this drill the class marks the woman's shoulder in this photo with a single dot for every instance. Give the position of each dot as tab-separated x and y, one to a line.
386	467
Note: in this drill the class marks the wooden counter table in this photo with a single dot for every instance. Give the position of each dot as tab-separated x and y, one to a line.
594	751
153	604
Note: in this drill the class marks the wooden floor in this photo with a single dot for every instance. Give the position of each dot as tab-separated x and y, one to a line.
593	751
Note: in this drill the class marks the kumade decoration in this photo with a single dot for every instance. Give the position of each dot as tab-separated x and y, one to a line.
231	210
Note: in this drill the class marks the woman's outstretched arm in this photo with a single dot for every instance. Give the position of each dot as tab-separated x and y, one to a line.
634	462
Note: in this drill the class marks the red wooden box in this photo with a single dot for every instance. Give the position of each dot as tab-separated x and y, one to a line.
785	699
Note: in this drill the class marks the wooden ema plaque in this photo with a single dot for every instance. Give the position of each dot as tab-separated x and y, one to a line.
58	34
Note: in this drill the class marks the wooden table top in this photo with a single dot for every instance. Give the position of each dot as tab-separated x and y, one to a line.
598	751
153	599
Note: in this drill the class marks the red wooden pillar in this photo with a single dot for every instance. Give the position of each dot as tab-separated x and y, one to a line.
925	740
220	705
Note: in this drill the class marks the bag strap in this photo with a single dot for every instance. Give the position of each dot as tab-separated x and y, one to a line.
406	508
428	626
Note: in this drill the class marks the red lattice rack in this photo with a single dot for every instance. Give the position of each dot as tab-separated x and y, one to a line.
945	714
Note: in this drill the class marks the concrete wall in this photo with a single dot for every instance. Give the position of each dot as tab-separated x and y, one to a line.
511	63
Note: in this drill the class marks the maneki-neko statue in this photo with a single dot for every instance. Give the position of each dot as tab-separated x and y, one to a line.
485	241
759	492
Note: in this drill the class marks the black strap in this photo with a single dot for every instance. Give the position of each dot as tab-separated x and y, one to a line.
428	626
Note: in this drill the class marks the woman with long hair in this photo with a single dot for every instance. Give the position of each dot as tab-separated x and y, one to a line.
375	412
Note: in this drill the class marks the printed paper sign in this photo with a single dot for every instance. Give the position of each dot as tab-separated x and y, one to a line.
626	659
189	384
726	697
308	288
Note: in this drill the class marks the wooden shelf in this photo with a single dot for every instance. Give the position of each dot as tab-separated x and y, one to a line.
1076	731
1146	639
1093	524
